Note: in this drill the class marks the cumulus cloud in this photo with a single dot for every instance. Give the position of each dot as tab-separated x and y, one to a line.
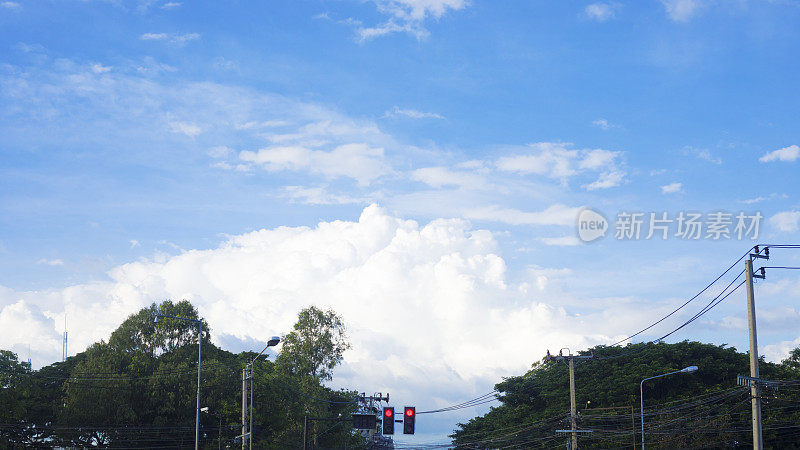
437	283
411	113
786	221
780	351
558	160
358	161
786	154
671	188
11	5
601	12
408	16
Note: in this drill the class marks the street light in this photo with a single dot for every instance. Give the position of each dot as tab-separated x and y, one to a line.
199	324
219	429
689	369
273	341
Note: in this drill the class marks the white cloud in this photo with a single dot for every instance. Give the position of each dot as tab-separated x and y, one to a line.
173	38
220	151
358	161
411	113
171	5
442	176
553	215
154	36
601	12
51	262
706	155
564	241
606	180
147	114
150	66
189	129
319	196
603	124
760	199
134	243
408	16
786	221
702	153
99	68
549	158
11	5
681	10
786	154
437	282
780	351
671	188
558	160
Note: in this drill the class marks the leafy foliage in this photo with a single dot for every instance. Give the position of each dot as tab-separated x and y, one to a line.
703	409
315	345
139	388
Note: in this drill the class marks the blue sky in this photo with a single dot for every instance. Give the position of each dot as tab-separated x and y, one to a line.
144	143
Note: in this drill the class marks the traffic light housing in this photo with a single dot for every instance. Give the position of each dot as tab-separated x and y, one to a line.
409	417
388	420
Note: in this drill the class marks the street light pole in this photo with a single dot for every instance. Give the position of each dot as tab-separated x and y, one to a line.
199	324
689	369
273	341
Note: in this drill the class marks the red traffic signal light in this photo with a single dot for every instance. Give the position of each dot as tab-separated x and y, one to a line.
409	419
388	420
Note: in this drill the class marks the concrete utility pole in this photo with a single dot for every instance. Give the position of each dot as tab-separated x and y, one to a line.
758	440
572	408
305	432
244	407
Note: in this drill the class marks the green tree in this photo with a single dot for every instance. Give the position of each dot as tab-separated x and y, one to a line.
535	404
315	345
14	389
793	361
137	390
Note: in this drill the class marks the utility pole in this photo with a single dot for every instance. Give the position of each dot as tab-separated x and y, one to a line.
755	399
244	407
633	428
305	431
573	410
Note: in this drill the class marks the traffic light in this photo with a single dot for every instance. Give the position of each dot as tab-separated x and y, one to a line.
388	420
409	417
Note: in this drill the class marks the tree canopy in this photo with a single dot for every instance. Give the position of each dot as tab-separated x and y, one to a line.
138	389
699	410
